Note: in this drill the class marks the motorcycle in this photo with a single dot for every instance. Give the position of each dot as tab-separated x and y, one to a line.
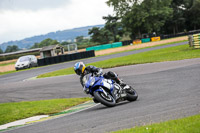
106	91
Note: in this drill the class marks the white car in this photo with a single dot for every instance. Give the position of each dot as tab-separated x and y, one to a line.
27	61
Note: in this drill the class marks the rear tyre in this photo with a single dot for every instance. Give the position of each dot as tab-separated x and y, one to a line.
108	100
131	94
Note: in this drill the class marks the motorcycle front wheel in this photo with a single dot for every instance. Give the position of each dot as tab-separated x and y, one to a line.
131	94
108	100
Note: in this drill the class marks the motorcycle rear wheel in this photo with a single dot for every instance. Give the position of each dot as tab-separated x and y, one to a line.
108	100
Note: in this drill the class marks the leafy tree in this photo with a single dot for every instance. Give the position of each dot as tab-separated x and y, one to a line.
36	45
65	43
1	51
45	42
177	23
79	39
12	48
145	16
95	34
114	26
106	36
100	36
121	7
193	15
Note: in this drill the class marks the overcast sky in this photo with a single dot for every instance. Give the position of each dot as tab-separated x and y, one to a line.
25	18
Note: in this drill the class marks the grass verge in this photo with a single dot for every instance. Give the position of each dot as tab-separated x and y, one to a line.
167	54
15	111
143	47
3	73
185	125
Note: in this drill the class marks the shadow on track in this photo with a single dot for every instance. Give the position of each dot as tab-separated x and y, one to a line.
102	107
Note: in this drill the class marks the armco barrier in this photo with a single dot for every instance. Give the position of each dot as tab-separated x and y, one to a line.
66	57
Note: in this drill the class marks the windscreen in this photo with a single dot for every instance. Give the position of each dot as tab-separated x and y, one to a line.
86	78
22	59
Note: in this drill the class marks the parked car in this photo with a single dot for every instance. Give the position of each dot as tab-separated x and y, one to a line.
27	61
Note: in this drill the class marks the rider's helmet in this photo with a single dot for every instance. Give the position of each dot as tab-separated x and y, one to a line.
79	68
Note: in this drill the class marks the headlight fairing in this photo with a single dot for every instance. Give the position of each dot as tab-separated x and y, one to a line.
92	81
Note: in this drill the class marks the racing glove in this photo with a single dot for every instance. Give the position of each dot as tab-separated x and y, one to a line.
100	72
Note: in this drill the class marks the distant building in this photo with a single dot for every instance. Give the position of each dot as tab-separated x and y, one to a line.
52	50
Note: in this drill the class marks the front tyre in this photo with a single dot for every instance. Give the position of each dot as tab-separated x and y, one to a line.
108	100
131	94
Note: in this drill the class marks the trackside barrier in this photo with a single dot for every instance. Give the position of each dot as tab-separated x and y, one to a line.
128	42
116	44
194	40
138	41
146	40
105	46
155	39
66	57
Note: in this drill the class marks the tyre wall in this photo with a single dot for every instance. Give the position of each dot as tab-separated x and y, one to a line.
65	58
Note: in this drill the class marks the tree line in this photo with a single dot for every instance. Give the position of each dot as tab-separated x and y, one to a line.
156	16
134	18
9	49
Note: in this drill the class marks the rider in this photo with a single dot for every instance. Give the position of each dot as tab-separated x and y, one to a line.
81	70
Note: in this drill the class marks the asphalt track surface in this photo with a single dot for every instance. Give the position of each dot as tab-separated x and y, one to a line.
167	90
19	76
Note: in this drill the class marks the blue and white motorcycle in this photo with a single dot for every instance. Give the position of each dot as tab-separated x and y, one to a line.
106	91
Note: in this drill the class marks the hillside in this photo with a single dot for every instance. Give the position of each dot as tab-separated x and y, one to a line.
64	35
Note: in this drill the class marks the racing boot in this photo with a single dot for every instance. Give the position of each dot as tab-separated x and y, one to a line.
120	82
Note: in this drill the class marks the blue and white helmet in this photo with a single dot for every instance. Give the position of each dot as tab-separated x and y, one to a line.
79	68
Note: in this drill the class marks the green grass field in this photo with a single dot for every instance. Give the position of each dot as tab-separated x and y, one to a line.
167	54
19	110
185	125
